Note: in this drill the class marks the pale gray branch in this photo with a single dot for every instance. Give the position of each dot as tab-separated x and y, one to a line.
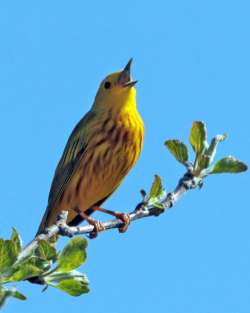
142	210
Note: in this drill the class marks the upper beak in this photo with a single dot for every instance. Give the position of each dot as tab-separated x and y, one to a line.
125	76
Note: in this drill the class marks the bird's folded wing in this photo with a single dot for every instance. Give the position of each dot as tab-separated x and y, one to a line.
73	153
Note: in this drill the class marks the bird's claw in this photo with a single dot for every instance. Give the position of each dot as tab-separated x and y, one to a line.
125	218
98	227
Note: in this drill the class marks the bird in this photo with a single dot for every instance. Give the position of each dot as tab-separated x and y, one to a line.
101	150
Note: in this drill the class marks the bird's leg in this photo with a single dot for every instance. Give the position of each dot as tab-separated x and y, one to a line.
98	226
124	217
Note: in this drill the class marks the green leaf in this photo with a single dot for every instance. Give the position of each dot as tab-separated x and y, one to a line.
74	287
16	239
178	149
207	157
228	165
55	277
198	137
74	282
203	162
45	251
73	255
214	143
157	192
7	293
25	271
211	150
43	265
156	188
18	295
8	254
4	294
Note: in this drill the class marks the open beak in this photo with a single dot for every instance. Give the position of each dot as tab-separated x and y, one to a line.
125	76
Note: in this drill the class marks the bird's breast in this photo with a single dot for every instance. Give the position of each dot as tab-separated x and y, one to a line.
111	152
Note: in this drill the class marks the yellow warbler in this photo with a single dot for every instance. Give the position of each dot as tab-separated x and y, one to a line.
101	150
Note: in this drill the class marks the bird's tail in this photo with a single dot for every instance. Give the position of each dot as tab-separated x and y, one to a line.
47	217
44	223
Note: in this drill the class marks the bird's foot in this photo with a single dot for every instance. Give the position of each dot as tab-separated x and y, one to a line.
98	227
125	218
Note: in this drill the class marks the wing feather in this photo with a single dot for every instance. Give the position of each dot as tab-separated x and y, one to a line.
69	163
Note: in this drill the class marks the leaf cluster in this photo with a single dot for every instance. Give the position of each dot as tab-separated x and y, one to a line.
204	153
44	265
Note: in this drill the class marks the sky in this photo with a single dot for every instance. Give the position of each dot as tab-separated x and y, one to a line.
192	62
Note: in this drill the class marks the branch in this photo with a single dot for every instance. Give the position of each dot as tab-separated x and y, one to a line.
142	210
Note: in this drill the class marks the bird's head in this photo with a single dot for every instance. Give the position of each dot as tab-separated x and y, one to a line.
116	90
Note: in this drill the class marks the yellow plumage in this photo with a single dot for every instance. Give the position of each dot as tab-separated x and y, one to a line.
101	150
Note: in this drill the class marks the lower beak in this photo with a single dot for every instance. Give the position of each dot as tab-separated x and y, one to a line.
125	76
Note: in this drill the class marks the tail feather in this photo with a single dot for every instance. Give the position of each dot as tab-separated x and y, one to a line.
74	222
43	223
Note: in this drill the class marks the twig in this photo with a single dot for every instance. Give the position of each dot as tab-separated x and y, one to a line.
142	210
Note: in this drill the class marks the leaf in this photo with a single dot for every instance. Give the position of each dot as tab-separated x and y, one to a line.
25	271
42	264
211	150
203	161
16	239
178	149
46	251
8	254
157	192
74	287
7	293
156	188
73	255
4	294
228	165
214	143
18	295
74	282
55	277
198	137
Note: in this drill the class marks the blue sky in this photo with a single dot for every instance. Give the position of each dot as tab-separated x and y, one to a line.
192	62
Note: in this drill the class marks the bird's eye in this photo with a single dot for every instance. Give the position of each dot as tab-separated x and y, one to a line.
107	85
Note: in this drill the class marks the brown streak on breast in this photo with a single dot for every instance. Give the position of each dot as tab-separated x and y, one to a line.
105	154
124	168
98	143
105	124
125	137
141	137
117	136
134	154
110	131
